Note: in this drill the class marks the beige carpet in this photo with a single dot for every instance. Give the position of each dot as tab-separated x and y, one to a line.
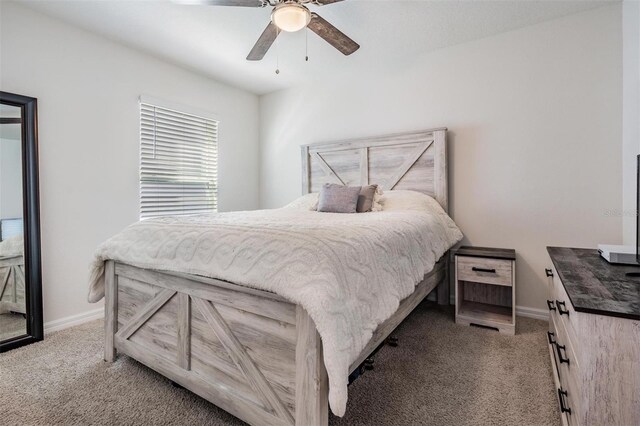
441	374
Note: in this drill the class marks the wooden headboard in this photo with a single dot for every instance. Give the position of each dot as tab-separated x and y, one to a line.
415	161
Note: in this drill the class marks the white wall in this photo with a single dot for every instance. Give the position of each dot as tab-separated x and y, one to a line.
631	115
535	133
87	89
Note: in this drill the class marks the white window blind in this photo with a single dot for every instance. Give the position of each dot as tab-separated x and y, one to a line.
178	162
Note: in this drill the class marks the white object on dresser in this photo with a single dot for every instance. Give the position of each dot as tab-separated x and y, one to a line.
618	254
485	287
594	340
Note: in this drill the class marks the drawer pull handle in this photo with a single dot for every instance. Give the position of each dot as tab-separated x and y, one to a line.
564	305
551	305
561	395
562	358
550	336
548	272
476	269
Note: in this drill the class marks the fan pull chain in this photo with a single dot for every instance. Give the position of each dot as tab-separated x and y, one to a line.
277	53
306	45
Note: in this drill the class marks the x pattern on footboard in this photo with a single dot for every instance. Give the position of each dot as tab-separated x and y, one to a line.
197	340
12	284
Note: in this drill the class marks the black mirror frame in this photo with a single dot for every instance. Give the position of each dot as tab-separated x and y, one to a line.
31	210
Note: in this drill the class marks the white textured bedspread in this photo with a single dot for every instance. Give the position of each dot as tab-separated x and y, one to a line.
349	271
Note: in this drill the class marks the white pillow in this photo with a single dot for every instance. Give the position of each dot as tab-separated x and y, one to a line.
410	200
306	202
377	198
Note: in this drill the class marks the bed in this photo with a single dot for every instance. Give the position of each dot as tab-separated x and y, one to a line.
250	351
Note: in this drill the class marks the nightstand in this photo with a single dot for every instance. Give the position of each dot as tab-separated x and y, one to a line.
485	286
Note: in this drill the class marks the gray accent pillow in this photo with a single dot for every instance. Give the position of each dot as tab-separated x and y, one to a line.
338	198
365	199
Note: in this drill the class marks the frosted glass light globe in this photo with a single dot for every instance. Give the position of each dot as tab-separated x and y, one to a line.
290	17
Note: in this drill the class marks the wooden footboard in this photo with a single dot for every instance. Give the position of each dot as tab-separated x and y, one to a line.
12	285
250	352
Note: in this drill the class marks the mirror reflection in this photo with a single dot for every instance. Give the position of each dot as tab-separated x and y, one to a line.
12	282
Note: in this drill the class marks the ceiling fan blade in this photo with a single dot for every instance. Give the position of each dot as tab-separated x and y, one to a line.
242	3
332	35
264	43
323	2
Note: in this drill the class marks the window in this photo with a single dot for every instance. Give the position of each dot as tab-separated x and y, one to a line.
178	162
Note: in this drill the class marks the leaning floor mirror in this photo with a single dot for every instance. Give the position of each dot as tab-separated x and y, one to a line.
20	277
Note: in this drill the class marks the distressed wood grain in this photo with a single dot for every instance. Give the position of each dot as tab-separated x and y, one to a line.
312	383
184	331
110	310
242	359
146	313
415	161
12	285
228	294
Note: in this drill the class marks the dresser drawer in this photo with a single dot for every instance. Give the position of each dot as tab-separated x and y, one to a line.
484	270
564	311
570	394
567	384
568	348
572	398
565	352
552	338
570	374
556	373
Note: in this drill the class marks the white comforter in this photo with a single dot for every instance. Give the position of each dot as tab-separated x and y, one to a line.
349	271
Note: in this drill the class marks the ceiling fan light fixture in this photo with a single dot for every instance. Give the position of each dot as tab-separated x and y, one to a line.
290	17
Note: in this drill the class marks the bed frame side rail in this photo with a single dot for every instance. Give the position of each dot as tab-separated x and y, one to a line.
437	278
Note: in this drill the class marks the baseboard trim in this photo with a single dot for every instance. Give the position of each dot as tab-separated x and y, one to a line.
70	321
535	313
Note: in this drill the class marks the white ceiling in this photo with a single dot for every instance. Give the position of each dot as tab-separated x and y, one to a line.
215	40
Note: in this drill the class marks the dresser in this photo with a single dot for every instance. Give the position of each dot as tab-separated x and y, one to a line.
594	338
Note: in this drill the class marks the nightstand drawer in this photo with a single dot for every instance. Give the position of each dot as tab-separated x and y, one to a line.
485	270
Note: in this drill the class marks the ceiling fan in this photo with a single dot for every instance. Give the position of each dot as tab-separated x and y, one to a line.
291	16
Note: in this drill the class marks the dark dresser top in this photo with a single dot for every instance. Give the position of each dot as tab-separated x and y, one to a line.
494	253
594	285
